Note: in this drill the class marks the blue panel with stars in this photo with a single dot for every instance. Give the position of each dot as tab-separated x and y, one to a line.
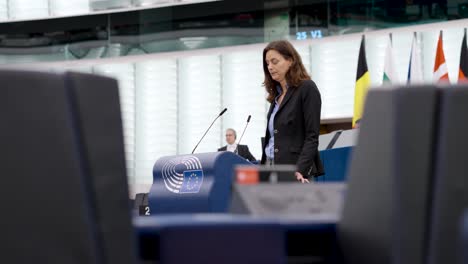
193	180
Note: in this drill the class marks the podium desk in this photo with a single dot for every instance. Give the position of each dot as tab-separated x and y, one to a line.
197	183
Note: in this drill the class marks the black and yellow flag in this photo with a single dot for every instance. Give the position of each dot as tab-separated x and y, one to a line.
362	84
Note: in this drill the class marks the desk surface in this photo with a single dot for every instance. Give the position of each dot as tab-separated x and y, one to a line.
311	237
157	222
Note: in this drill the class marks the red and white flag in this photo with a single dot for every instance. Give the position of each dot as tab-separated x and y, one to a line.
440	67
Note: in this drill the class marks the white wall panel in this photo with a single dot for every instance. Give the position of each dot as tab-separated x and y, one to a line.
3	10
199	102
334	67
304	52
156	115
244	95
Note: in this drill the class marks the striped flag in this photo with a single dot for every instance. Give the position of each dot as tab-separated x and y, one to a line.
362	85
440	67
463	69
415	73
390	74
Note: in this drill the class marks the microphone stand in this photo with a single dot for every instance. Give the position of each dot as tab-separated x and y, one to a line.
238	143
220	114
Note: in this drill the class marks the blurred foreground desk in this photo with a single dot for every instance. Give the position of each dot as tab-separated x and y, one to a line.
227	238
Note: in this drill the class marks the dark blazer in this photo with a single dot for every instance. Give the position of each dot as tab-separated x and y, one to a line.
297	129
243	151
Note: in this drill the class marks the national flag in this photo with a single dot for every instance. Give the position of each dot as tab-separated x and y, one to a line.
390	74
415	73
362	84
463	69
440	67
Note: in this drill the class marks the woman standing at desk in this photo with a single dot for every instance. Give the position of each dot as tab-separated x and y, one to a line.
294	117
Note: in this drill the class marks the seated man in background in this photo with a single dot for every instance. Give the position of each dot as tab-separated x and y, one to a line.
232	146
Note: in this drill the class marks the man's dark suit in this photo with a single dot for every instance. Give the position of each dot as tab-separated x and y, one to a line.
296	128
243	151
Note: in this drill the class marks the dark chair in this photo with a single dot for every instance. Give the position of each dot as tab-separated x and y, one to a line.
450	196
462	253
44	194
415	143
96	105
63	151
386	164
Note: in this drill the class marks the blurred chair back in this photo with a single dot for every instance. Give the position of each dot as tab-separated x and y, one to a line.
416	111
462	253
44	193
384	161
451	182
95	100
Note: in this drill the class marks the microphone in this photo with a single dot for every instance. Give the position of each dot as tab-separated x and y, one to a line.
238	142
220	114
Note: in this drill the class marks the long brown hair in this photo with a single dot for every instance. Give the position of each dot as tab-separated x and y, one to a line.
296	73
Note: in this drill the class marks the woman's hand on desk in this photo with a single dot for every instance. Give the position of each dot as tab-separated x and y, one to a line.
301	178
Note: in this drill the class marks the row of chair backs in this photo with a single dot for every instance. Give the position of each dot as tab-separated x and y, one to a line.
406	181
65	196
63	170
